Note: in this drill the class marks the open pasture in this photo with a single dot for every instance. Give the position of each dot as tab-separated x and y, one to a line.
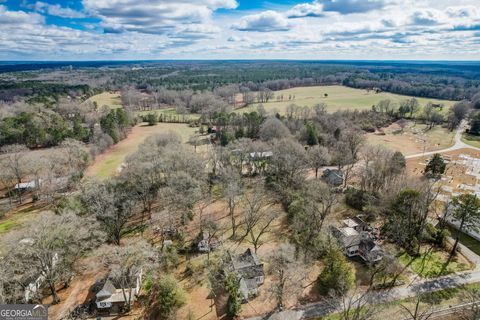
109	99
337	98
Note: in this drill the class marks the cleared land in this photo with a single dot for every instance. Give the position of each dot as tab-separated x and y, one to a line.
110	99
414	139
460	175
339	98
106	164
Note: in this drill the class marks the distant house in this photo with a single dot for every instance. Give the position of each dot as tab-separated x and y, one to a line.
26	186
260	155
333	177
250	271
357	240
112	300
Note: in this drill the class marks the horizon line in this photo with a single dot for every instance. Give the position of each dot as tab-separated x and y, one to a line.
232	59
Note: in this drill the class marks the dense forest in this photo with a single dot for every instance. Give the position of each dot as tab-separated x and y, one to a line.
447	80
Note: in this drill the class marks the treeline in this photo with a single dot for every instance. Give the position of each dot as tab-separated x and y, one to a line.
423	81
36	91
441	82
439	87
38	126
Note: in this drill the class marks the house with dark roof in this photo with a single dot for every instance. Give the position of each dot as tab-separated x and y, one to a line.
112	300
333	177
250	271
357	241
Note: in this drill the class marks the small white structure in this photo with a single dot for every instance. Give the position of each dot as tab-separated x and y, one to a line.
25	186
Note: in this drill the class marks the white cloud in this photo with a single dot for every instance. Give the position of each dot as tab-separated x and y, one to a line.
18	17
266	21
57	10
314	9
154	16
190	29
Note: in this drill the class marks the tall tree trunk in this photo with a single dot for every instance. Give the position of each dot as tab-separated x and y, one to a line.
232	218
454	249
53	291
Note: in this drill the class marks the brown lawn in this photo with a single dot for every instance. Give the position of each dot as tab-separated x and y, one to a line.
414	139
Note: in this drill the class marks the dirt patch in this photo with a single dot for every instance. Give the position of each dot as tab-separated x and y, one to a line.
79	291
413	139
457	178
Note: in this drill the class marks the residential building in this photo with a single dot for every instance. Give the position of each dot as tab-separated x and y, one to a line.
250	271
358	240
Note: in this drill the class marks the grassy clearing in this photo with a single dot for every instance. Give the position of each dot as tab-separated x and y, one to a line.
109	99
431	265
471	140
7	225
106	164
466	240
415	138
339	98
15	220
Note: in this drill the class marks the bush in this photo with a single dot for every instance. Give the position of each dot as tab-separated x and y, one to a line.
358	199
170	297
232	286
151	118
337	276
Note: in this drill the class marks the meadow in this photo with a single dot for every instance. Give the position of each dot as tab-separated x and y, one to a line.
110	99
336	98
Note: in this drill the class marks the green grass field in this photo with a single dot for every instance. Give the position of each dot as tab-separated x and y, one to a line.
106	164
472	140
112	100
432	265
339	98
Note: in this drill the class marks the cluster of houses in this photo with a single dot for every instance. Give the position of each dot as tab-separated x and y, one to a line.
358	239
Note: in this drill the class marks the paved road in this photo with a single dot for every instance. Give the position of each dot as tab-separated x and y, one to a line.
323	308
459	144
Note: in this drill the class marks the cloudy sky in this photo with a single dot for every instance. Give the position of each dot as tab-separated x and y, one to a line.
239	29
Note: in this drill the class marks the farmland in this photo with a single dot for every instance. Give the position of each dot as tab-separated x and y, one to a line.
338	98
109	99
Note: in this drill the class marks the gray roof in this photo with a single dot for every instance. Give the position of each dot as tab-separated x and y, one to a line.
333	176
107	290
248	265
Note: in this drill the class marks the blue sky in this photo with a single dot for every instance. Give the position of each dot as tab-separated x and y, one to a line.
239	29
